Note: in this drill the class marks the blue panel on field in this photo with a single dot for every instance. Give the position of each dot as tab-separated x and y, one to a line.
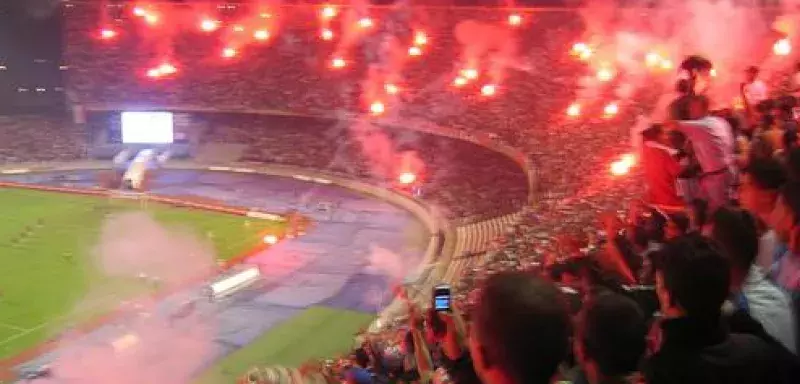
362	292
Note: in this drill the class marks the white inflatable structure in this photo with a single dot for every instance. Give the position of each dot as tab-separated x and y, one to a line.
135	172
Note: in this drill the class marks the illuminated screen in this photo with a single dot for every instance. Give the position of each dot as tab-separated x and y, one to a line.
442	303
147	128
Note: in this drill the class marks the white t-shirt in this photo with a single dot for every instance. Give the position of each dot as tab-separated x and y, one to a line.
755	92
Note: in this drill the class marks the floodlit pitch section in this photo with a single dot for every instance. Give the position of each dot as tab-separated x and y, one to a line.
231	284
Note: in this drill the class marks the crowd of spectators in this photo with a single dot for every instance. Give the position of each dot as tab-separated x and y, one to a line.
40	139
710	267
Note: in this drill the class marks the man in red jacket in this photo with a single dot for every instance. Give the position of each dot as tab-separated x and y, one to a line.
660	167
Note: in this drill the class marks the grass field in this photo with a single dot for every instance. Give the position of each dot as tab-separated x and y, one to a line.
46	240
317	332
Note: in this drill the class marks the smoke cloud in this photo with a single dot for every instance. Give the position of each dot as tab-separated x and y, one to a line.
151	341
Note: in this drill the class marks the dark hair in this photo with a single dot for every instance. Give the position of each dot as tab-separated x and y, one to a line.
790	193
696	274
681	221
789	139
361	357
523	326
793	164
752	69
766	173
700	209
683	86
737	234
613	331
696	63
653	132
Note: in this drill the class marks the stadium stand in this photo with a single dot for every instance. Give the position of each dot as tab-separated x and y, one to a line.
232	107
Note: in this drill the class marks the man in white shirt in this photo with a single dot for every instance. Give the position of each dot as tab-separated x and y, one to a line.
754	90
713	143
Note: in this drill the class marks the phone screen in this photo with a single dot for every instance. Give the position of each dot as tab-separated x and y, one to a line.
441	298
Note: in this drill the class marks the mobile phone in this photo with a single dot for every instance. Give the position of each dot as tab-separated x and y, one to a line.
441	298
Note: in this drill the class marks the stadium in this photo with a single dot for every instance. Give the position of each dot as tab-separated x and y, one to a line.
213	192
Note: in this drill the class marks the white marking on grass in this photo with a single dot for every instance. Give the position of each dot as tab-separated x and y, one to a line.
12	326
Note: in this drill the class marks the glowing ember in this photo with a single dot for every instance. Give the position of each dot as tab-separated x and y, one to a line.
782	47
365	22
460	81
470	73
414	51
574	110
629	159
666	64
377	108
489	90
610	110
208	25
390	88
229	52
107	34
420	38
712	72
167	69
151	19
326	34
406	178
265	15
652	59
270	239
261	34
139	11
582	51
605	74
154	73
238	28
328	12
338	62
619	168
514	19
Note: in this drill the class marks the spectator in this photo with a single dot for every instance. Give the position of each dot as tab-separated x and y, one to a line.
660	168
754	90
692	282
758	193
713	144
610	339
735	231
785	219
793	164
520	330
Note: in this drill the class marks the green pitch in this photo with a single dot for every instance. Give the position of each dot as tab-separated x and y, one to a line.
316	333
46	269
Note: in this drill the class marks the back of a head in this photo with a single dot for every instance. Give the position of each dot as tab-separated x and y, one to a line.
736	232
696	274
613	330
793	164
766	173
790	195
522	325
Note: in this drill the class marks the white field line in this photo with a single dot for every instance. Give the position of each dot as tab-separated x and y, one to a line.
14	327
